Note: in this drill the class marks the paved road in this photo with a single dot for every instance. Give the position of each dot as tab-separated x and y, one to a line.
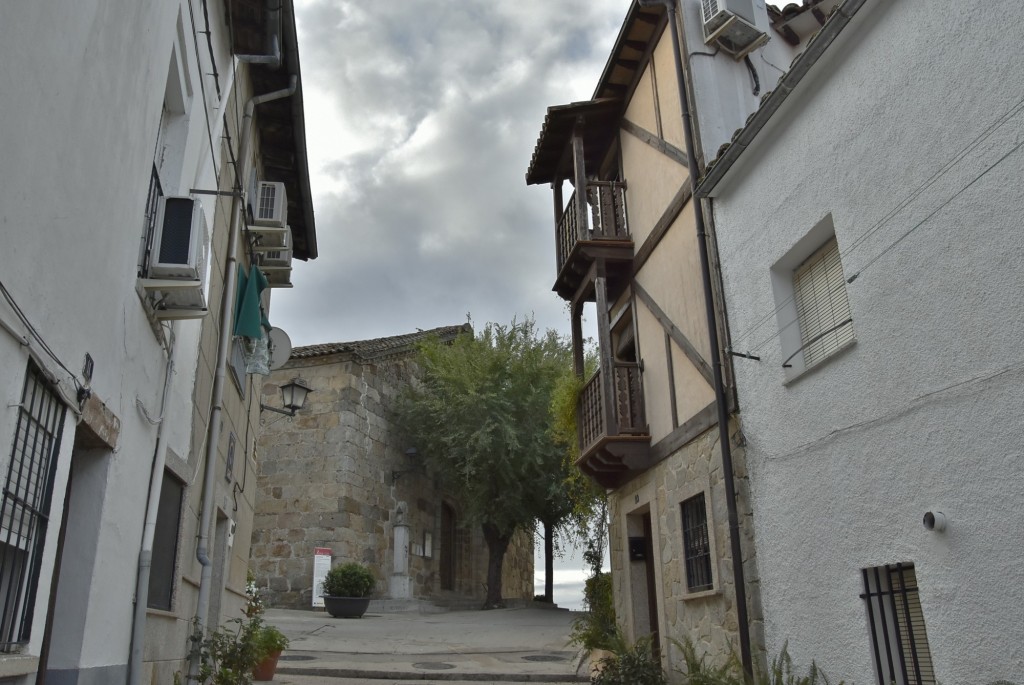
506	646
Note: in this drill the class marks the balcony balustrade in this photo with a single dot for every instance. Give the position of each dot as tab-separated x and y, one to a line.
614	440
600	230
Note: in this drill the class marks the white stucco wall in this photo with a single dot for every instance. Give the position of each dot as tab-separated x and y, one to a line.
83	86
924	411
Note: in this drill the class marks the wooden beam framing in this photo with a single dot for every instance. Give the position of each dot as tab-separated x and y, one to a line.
677	335
701	422
659	144
671	381
661	228
604	342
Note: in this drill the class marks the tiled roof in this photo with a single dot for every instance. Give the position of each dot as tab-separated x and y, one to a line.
379	348
772	100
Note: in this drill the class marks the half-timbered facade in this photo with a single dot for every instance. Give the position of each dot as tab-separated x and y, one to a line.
628	243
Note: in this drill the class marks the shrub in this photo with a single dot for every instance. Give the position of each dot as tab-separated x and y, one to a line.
349	580
631	665
780	672
596	627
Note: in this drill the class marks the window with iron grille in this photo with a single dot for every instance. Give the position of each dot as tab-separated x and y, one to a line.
899	641
696	545
823	309
165	544
25	505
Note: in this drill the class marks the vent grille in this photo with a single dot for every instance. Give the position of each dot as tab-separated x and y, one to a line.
176	237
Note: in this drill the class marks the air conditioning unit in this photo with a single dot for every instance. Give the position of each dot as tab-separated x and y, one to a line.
730	25
274	258
271	205
178	249
176	274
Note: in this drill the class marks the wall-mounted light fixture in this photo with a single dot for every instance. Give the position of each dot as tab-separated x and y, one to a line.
412	455
293	397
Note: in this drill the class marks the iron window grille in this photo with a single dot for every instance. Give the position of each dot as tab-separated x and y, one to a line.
696	545
823	308
152	207
25	505
899	641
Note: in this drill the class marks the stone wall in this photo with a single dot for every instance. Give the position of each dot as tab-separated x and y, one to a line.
708	619
335	475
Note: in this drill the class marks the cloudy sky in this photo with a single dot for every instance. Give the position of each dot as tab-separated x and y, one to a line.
421	118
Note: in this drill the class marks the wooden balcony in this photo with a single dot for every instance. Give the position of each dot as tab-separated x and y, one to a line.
615	443
596	230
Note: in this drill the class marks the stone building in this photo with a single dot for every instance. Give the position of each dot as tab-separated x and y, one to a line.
337	476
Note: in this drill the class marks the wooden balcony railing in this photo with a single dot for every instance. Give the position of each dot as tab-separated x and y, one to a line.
628	407
606	218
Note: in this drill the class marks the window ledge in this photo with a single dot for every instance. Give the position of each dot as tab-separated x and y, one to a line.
820	364
162	613
13	665
702	594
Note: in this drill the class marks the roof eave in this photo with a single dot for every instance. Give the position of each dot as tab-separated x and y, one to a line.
722	168
298	114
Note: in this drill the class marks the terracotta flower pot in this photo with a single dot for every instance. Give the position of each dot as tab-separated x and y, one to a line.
266	668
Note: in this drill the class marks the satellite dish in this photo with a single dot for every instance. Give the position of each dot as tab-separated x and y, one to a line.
280	348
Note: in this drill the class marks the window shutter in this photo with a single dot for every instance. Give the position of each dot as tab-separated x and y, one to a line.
822	306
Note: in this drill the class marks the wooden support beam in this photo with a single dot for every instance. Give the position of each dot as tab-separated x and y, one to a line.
586	285
700	423
580	181
628	63
819	15
677	335
661	228
671	381
638	45
556	188
659	144
651	19
577	340
604	342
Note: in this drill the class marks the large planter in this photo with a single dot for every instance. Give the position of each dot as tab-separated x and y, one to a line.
265	670
597	661
346	607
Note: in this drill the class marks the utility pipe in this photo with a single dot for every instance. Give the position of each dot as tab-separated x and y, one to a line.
149	531
721	399
217	399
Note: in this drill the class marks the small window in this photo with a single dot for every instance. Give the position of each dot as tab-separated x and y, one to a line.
165	544
697	545
823	309
899	642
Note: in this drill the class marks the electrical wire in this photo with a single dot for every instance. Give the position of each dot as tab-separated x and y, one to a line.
985	134
38	337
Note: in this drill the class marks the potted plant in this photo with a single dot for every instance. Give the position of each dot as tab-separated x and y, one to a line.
269	643
347	590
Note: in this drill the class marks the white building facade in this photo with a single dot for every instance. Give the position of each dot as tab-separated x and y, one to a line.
108	351
868	224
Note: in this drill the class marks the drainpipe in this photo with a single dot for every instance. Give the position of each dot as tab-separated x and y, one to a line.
149	529
721	398
217	399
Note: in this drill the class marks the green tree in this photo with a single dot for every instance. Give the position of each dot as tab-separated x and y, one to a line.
481	416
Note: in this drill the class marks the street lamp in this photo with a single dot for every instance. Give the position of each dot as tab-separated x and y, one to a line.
293	397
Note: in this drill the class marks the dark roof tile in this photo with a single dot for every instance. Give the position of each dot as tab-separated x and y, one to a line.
380	348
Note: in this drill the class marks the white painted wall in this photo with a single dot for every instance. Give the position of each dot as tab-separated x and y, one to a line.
83	87
924	411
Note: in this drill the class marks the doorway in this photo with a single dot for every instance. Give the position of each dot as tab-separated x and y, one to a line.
448	538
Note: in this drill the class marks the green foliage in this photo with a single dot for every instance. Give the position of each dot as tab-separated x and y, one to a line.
633	664
596	627
480	415
349	580
699	672
270	640
228	655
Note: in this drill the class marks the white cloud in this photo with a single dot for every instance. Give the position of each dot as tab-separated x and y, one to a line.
421	119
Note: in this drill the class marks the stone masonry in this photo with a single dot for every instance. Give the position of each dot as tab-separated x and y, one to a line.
337	476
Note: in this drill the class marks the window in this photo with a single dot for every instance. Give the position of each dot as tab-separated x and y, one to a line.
165	544
696	545
238	366
821	304
811	306
899	642
25	507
